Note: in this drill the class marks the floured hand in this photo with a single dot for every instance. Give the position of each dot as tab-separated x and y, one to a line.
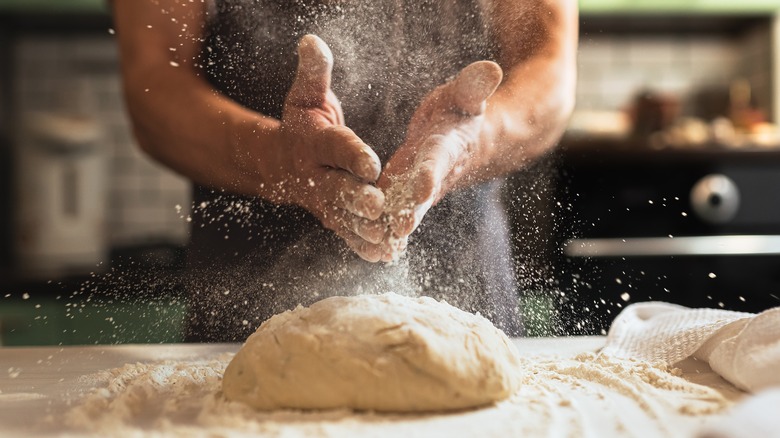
441	138
320	164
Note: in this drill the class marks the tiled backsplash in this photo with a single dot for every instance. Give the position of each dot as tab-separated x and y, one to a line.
755	64
80	75
613	68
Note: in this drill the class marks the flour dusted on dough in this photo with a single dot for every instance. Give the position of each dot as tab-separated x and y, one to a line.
374	352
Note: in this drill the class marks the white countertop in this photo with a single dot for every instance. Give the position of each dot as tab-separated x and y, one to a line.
39	384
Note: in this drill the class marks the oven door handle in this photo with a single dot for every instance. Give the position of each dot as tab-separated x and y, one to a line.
674	246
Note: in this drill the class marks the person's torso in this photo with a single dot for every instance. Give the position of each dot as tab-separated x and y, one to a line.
387	57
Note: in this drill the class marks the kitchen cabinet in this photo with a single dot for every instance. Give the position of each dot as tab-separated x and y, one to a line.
679	6
635	225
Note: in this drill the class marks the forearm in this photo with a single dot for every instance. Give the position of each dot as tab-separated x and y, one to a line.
186	125
178	118
527	114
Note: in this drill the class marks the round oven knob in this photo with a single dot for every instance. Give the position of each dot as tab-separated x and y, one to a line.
715	199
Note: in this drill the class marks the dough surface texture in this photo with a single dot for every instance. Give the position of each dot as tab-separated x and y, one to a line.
374	352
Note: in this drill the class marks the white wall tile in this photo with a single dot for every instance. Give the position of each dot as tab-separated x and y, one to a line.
612	70
143	194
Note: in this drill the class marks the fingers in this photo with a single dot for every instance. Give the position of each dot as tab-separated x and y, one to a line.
370	230
365	202
347	193
352	213
362	236
367	251
403	222
413	193
474	85
393	248
313	77
340	148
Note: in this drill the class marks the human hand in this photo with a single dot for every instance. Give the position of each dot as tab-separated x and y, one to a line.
320	164
441	139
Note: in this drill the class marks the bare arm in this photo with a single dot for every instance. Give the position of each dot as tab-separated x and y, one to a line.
308	158
177	117
527	114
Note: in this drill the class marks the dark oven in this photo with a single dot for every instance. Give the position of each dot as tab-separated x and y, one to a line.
696	227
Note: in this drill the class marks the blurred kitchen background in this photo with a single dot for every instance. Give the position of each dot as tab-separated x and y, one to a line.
674	139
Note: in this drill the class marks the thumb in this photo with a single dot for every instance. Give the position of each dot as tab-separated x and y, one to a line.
312	79
474	85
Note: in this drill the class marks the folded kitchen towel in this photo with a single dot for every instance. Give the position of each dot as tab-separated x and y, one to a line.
744	348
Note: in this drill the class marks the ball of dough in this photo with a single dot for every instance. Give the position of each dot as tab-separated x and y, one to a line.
374	352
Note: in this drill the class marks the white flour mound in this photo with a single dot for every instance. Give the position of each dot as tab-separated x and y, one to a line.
585	395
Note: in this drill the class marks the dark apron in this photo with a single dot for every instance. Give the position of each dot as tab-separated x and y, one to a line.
250	259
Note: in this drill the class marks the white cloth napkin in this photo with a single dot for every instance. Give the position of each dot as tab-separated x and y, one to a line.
744	348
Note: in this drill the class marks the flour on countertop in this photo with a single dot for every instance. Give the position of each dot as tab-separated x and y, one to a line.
584	395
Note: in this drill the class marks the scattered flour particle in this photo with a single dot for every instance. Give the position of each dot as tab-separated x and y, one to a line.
25	296
618	281
712	275
684	214
741	298
244	322
111	31
625	296
174	64
14	372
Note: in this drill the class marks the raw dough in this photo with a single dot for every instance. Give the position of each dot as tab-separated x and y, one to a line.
374	352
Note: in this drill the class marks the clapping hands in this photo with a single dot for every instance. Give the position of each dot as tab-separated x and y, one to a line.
337	177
